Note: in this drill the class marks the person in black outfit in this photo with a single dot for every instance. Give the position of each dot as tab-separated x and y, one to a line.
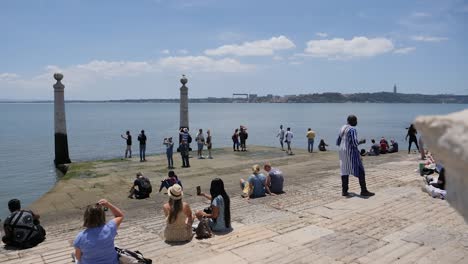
243	137
129	144
141	188
142	139
412	137
184	152
322	145
22	227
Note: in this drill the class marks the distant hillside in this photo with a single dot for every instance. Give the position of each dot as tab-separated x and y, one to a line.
381	97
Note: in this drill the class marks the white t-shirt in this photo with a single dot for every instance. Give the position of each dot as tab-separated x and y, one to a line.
289	136
280	133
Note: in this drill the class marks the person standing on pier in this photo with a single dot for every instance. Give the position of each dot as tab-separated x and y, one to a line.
169	151
243	135
235	140
142	139
281	136
350	159
209	143
200	139
310	140
412	137
128	138
289	136
184	153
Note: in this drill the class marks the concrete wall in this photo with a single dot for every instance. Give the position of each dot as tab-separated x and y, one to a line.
447	138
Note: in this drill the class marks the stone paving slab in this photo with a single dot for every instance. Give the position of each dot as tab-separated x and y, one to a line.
310	223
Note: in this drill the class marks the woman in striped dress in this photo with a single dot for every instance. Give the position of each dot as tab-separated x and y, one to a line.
350	159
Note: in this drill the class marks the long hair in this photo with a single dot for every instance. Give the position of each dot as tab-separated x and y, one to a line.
217	188
94	216
176	207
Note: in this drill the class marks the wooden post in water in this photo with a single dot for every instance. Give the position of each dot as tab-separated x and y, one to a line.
61	141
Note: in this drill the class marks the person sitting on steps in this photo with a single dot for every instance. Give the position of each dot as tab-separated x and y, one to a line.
141	188
169	181
22	227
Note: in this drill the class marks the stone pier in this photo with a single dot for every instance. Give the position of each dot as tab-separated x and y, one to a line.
61	141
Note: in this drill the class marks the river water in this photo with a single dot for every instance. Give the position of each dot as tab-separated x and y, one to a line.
27	131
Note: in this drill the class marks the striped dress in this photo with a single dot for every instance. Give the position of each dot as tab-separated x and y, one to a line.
350	158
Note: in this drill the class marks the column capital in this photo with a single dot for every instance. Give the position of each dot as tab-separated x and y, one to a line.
58	77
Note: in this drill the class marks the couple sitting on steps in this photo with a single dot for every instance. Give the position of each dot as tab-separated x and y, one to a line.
257	185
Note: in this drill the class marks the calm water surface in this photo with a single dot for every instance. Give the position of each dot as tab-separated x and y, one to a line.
26	132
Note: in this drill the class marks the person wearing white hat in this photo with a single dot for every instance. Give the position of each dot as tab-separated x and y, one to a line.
178	216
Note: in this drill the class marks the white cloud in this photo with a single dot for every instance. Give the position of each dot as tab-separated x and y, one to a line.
404	50
321	34
166	51
115	68
255	48
183	51
204	64
8	76
428	38
420	15
339	48
295	62
277	58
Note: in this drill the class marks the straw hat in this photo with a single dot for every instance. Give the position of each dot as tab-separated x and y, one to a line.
175	192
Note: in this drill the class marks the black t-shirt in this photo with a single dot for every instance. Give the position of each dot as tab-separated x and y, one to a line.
142	139
129	140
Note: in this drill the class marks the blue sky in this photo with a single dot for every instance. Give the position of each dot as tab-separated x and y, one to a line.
139	49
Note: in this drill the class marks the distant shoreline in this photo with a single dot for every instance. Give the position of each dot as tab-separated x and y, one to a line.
381	97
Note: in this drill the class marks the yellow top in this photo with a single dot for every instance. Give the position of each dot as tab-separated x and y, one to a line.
310	134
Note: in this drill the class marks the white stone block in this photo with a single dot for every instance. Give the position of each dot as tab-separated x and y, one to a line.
447	137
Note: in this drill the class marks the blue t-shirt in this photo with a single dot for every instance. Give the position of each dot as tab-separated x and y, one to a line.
220	224
277	180
258	182
97	244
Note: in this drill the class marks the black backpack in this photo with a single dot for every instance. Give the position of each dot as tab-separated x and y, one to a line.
146	185
22	230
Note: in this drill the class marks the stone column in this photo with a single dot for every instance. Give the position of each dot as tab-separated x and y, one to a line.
447	137
184	119
61	141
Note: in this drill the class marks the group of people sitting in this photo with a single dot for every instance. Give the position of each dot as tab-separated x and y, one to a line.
381	148
95	244
434	177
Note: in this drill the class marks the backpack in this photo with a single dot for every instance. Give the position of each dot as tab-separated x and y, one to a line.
203	229
21	229
189	139
131	257
146	185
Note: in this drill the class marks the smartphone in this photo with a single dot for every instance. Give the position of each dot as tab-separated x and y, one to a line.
198	190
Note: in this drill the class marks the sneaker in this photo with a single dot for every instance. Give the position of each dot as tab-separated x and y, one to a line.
367	193
344	193
210	157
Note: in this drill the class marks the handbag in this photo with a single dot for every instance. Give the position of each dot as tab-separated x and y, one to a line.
203	229
131	257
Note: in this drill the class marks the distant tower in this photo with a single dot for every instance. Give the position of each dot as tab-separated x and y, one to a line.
184	119
394	89
61	141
